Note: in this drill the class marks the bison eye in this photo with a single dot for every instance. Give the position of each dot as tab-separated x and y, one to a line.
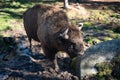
71	46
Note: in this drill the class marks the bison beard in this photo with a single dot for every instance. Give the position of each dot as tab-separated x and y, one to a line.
50	26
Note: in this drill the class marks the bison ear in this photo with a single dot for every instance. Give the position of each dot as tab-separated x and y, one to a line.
65	34
80	25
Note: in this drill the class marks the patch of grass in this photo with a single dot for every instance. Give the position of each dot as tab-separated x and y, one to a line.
11	11
103	16
115	35
4	18
108	70
99	15
88	24
115	15
12	5
107	38
104	68
108	31
92	40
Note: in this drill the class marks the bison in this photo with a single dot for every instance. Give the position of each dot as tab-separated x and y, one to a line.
51	26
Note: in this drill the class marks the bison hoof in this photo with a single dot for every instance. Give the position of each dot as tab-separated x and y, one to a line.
57	69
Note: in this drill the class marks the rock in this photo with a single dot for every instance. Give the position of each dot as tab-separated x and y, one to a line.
3	77
102	52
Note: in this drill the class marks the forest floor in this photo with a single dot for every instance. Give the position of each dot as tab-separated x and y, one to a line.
18	62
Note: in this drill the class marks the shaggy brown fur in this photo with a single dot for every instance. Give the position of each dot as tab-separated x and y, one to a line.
56	33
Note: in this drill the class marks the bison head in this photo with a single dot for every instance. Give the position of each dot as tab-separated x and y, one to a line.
70	40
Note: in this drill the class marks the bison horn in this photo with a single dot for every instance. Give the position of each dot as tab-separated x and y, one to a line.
65	34
80	25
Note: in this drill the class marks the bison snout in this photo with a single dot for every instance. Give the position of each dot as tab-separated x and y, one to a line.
81	51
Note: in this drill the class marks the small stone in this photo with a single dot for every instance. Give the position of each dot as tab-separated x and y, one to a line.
3	77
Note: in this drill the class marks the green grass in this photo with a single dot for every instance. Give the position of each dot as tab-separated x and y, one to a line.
92	40
107	38
4	18
88	24
105	69
11	11
116	15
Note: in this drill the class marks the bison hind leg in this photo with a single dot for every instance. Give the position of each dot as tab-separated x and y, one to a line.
30	41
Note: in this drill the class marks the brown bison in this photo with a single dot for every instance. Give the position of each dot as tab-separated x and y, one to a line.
50	26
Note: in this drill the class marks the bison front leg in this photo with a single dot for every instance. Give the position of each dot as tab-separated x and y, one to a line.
50	53
56	63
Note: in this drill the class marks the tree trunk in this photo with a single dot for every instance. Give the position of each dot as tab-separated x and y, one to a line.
66	4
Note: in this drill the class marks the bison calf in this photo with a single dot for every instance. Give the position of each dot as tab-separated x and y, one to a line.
50	26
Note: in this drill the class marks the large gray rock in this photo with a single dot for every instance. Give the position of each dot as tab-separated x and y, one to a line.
102	52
